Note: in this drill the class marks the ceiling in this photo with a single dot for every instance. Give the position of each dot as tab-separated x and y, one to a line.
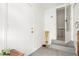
49	5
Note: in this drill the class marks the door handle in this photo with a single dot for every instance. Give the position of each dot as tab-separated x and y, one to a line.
32	32
66	20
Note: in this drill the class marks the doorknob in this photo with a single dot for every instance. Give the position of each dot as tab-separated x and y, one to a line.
66	20
32	31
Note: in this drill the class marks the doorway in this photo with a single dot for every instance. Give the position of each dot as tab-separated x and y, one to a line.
60	23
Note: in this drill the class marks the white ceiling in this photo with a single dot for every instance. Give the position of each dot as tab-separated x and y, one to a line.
49	5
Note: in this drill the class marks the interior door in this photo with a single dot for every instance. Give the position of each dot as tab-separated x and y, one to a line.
19	35
61	24
67	23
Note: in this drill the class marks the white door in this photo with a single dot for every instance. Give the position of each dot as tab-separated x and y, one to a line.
38	35
19	35
67	23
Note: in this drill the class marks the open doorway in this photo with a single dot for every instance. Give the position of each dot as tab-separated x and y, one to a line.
63	22
60	13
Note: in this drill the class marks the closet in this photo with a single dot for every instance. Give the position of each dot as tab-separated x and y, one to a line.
61	23
22	27
63	17
20	22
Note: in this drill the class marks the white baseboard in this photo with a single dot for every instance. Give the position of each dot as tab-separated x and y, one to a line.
34	50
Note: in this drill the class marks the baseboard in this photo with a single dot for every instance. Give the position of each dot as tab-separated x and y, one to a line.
34	51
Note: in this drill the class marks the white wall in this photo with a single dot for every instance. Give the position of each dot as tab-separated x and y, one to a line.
75	19
50	23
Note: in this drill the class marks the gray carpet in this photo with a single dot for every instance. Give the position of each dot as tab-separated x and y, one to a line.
62	43
51	52
57	48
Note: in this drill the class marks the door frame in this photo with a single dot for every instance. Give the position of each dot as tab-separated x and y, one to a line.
56	14
57	21
64	5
